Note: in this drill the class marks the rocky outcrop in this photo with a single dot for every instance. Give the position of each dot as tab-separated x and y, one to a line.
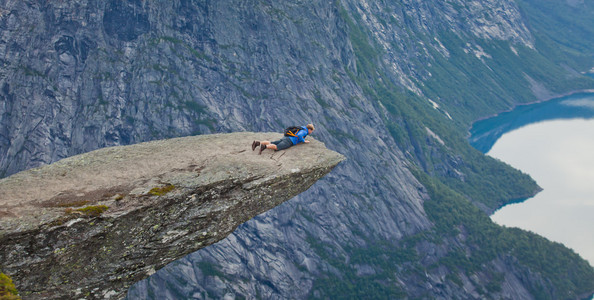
93	224
392	84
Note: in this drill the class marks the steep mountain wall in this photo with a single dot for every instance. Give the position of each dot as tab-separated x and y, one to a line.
392	85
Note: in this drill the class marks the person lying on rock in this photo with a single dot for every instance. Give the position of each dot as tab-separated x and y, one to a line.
293	136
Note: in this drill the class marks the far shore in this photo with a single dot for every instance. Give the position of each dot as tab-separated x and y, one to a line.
541	100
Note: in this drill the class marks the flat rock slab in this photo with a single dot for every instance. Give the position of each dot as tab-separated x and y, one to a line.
167	198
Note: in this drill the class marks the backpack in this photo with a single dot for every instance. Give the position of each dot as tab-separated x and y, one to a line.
292	130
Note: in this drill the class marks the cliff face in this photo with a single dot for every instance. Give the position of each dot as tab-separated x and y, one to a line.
77	76
93	224
392	85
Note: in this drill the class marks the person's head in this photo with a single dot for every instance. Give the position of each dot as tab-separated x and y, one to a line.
310	128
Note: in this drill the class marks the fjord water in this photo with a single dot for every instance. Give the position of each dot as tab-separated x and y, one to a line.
553	142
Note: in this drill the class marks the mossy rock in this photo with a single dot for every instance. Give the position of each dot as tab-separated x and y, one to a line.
160	191
7	289
93	211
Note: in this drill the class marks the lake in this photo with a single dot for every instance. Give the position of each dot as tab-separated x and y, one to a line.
553	142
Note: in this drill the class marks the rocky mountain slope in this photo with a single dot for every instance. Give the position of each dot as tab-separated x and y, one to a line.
93	224
393	86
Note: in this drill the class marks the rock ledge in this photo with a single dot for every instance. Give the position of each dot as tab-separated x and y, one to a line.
93	224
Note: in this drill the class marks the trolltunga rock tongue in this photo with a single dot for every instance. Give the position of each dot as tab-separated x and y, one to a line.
93	224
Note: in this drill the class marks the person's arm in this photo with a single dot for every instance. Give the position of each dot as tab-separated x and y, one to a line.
301	136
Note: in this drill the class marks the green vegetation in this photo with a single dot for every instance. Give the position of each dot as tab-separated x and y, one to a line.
195	107
563	32
210	269
171	39
160	191
32	72
382	283
92	211
451	211
466	87
319	99
7	289
486	180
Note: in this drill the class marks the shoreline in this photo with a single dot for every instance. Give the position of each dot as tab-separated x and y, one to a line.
517	200
562	203
542	100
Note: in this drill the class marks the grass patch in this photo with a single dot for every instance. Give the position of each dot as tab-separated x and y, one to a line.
160	191
91	211
7	289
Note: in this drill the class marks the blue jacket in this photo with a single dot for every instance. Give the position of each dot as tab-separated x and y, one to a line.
301	134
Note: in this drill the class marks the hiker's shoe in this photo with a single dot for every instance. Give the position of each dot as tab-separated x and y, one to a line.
262	147
255	144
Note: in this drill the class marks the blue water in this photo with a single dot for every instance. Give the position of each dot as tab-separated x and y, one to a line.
554	143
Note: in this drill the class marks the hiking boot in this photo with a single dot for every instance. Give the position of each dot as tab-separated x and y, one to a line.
255	144
262	147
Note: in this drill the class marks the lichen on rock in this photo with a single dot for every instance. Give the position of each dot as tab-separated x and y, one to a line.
7	289
145	205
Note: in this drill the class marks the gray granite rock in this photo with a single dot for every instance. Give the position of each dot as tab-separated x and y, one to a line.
93	224
76	76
